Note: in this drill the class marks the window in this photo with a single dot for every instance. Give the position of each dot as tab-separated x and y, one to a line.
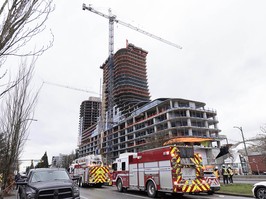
123	166
114	166
186	152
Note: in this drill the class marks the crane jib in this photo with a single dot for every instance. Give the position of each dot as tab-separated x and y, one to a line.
112	18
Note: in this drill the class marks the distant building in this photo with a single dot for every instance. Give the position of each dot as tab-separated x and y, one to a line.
89	114
257	162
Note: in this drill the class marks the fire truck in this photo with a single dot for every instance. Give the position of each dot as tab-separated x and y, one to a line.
169	169
90	170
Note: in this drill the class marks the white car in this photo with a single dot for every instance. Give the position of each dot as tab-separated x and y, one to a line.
259	190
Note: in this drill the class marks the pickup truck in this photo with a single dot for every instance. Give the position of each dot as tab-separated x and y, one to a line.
47	183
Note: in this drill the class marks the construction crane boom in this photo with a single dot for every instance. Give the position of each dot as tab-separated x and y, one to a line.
69	87
148	34
112	19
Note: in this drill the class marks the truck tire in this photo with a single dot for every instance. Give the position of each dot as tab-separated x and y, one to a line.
19	195
119	185
210	192
80	183
99	185
151	189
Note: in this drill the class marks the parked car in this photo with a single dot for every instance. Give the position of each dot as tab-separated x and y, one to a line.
47	183
213	181
259	190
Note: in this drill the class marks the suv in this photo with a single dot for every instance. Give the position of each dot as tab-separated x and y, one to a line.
47	183
213	181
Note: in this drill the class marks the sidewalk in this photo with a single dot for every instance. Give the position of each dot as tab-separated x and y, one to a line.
12	195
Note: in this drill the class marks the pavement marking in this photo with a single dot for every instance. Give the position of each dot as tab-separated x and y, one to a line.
137	196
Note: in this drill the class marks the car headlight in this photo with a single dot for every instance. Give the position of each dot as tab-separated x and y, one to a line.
76	190
31	193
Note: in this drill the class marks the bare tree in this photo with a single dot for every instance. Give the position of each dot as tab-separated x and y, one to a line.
17	113
21	21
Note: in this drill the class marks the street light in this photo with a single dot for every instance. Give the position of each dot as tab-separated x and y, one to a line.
240	128
246	151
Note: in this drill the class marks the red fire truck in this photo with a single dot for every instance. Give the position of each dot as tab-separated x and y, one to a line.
90	170
172	169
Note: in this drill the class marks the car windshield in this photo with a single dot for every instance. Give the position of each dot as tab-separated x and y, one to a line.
43	176
208	174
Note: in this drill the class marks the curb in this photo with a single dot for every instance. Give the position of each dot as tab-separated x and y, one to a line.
233	194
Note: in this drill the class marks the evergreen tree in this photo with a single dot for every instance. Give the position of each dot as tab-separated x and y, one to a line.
43	162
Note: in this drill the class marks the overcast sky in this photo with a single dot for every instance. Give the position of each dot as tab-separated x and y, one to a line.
222	63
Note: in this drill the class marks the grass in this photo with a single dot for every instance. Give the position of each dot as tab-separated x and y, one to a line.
237	188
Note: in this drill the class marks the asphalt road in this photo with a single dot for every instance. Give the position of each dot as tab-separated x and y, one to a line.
111	193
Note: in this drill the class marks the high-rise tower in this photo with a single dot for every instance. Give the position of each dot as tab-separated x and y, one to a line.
89	112
130	85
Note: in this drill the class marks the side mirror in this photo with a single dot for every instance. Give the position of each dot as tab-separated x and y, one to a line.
23	177
21	182
75	178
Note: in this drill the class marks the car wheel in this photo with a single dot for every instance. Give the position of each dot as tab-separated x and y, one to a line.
261	193
151	190
19	196
119	185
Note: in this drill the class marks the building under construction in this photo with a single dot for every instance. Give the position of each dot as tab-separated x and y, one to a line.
136	123
125	84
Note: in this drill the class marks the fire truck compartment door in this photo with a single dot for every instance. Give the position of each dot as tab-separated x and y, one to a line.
141	174
86	175
133	177
188	173
165	175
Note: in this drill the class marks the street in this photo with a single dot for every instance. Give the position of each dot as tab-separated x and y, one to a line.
112	193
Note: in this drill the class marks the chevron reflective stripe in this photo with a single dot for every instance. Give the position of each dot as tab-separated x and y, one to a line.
99	175
204	186
212	181
198	169
177	171
173	150
198	158
178	159
179	178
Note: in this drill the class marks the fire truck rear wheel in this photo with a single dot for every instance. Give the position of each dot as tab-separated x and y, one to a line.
210	192
151	189
119	185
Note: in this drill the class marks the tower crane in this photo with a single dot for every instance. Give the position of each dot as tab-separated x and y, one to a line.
112	18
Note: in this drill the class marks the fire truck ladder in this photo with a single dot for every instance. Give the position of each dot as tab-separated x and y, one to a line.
112	19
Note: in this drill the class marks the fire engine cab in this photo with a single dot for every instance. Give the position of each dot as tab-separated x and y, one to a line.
90	170
172	169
